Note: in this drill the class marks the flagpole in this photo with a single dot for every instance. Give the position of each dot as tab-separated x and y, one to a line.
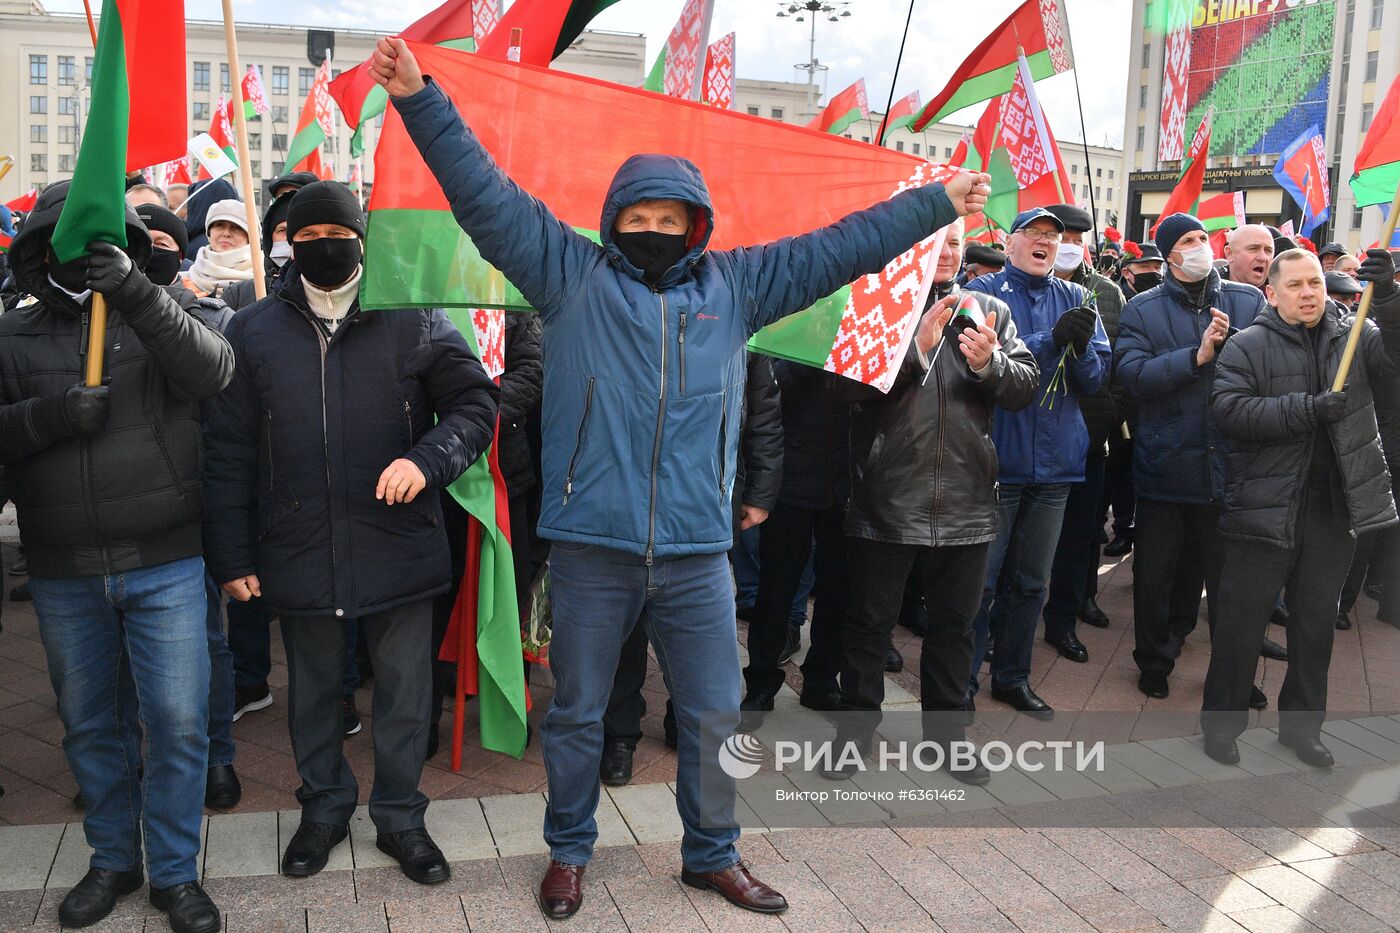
1358	325
245	165
1084	137
97	314
880	136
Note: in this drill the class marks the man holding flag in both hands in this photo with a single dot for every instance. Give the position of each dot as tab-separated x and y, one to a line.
639	452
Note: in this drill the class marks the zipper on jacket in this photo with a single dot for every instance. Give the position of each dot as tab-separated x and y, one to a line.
578	443
681	342
938	460
408	418
324	345
271	470
723	439
656	444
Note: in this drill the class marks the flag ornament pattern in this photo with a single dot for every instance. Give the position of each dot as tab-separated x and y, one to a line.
1022	136
489	328
1302	172
1186	196
718	87
1377	171
486	15
314	127
678	65
1176	66
845	108
254	94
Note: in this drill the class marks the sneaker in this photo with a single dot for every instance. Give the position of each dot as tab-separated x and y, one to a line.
352	715
792	644
250	699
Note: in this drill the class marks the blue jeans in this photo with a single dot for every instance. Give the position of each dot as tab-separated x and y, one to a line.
745	559
220	677
148	625
1018	570
687	606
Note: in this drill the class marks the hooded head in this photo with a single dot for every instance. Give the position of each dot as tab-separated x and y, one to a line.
276	251
169	242
648	255
204	195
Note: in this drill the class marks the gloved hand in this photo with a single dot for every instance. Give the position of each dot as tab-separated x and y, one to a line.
1329	407
1075	326
1379	270
86	408
107	267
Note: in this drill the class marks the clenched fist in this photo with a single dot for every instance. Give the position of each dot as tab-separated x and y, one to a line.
395	69
968	191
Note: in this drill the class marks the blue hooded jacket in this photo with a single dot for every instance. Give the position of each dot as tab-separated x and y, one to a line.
1043	443
642	385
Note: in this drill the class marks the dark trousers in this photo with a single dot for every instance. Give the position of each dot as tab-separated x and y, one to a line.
1313	570
953	578
1118	491
1177	548
626	704
1377	559
400	648
250	642
1076	565
784	546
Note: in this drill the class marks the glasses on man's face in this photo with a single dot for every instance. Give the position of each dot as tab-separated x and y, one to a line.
1040	236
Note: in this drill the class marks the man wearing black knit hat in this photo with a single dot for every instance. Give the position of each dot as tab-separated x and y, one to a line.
323	458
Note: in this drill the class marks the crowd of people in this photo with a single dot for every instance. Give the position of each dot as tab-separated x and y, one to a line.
245	461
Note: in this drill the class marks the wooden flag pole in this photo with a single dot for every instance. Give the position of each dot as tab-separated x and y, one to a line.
1365	307
245	165
97	314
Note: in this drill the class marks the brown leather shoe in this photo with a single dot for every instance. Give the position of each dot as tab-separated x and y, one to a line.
561	890
739	887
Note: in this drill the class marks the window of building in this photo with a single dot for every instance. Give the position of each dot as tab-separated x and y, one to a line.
279	142
1110	194
257	168
38	132
1146	54
1098	173
1142	97
67	133
753	111
201	111
916	148
65	161
899	145
305	78
1377	13
38	162
87	70
864	139
277	168
38	69
1074	169
849	136
38	105
224	84
1367	111
201	76
1356	218
279	79
279	114
776	113
1141	137
947	152
67	106
1110	174
1373	64
254	141
1097	194
67	70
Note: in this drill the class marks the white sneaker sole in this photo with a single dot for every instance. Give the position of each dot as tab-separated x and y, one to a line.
253	707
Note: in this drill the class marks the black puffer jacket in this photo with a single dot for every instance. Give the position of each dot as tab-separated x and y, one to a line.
1107	408
129	496
298	440
816	437
521	385
923	466
1262	401
759	475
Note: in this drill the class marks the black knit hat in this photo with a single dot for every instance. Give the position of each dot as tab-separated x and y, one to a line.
1172	228
159	218
325	202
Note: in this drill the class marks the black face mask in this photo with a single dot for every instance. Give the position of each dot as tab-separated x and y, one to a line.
654	253
69	275
1145	280
163	266
327	262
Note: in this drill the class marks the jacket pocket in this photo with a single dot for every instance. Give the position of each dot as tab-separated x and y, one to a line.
273	512
578	442
680	355
723	443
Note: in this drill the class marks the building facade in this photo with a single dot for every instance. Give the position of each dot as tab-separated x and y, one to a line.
1272	71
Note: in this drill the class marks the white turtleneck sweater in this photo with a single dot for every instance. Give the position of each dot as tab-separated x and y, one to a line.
331	305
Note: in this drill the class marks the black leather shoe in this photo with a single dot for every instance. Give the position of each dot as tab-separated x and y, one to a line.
976	775
751	710
1091	614
1273	650
791	644
94	897
1310	750
1223	749
894	661
221	788
1343	620
823	701
1023	699
188	908
310	848
1154	684
616	768
1257	699
419	857
1069	646
1120	546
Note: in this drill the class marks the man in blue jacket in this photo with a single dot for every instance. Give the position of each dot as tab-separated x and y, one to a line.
644	368
1041	448
1168	339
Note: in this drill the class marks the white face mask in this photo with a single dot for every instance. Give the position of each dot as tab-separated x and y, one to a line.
1069	258
1195	263
279	254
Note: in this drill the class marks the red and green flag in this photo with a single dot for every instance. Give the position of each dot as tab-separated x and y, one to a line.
1039	27
548	28
314	127
845	108
254	94
1377	173
136	118
680	64
901	115
1186	196
25	202
1222	212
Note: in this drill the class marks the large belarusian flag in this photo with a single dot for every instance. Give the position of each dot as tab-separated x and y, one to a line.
314	127
679	67
717	89
548	27
136	117
1222	212
901	115
1377	171
1186	196
845	108
254	94
1039	27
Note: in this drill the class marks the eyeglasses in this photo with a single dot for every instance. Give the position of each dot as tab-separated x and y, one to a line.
1039	236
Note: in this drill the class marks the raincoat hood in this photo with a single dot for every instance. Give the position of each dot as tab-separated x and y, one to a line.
651	177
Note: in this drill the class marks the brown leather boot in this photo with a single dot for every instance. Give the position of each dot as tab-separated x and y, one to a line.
561	890
739	887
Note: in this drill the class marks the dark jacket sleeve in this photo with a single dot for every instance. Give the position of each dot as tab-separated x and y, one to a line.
1381	340
1242	411
195	359
522	382
30	425
231	436
763	436
790	274
1144	372
464	399
512	230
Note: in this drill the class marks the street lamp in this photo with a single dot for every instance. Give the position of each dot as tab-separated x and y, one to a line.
801	10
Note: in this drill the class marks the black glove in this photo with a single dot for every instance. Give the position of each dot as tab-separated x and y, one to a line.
1329	407
1379	270
1075	326
86	408
107	267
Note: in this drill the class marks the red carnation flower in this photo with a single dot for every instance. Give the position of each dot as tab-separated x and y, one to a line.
1307	245
1113	234
1131	248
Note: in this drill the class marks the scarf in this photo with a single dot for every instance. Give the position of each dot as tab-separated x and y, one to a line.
331	305
212	270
